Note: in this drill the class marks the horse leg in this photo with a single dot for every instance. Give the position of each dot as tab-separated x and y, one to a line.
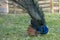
37	16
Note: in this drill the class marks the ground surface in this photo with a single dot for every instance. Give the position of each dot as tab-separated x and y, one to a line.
14	27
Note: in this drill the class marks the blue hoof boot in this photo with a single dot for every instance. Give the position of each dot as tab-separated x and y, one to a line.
43	30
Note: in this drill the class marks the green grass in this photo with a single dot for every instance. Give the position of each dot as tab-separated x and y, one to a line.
14	27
